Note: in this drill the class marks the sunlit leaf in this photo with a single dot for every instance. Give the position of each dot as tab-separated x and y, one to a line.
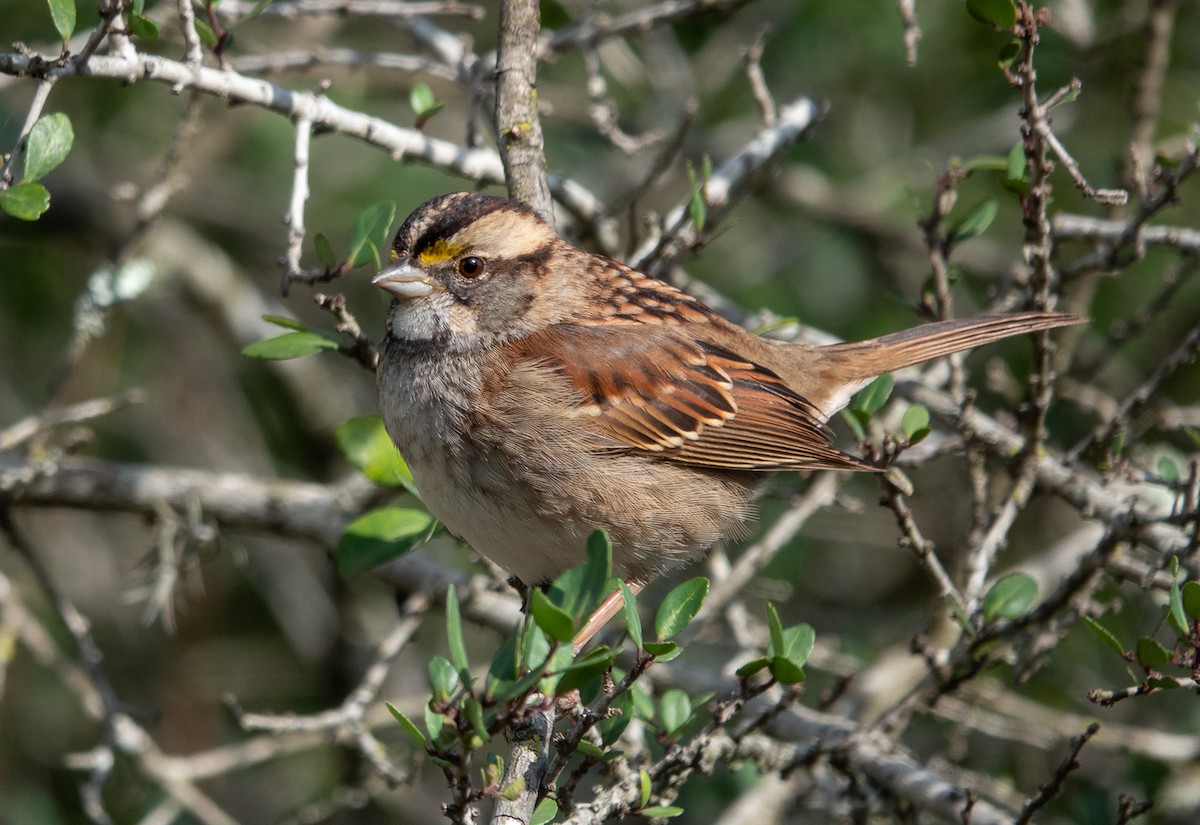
409	726
365	443
370	233
875	395
292	345
545	812
380	536
633	621
679	607
27	201
62	12
550	617
47	146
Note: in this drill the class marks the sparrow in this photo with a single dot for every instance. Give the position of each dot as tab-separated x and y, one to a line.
539	391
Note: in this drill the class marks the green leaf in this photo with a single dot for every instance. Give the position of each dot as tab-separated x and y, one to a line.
798	643
1193	436
674	710
590	749
474	713
47	146
286	323
580	589
27	201
587	667
775	627
857	420
999	13
292	345
1175	606
663	651
976	221
370	233
409	726
1016	178
679	608
661	811
752	667
1168	471
503	671
1008	54
875	395
1010	597
553	619
613	726
1103	634
435	722
1190	596
324	251
143	27
697	208
1163	684
644	786
1151	655
62	12
443	678
454	634
379	536
421	98
207	36
633	621
545	812
915	423
365	443
785	671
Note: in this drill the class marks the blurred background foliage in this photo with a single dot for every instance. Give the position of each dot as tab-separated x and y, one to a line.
830	238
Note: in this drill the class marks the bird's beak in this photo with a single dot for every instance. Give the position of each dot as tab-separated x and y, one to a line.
405	281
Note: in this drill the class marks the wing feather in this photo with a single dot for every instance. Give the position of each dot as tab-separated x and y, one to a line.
680	400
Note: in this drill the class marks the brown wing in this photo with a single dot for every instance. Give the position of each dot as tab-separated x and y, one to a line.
682	400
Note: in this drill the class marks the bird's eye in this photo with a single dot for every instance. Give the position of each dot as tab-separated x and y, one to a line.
470	267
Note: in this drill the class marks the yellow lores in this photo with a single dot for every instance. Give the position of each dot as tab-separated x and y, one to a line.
441	250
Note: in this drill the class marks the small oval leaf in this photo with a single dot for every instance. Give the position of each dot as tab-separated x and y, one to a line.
379	536
365	443
1010	597
291	345
48	145
553	619
915	419
680	607
27	201
1151	655
674	710
1190	596
62	12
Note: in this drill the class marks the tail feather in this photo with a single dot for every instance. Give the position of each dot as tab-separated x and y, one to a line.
867	359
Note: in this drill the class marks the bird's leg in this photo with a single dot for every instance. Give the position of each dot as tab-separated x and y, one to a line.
600	616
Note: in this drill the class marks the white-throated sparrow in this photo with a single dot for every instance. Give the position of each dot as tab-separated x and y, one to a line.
539	392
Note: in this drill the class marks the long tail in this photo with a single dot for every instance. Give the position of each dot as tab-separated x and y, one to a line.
847	368
867	359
